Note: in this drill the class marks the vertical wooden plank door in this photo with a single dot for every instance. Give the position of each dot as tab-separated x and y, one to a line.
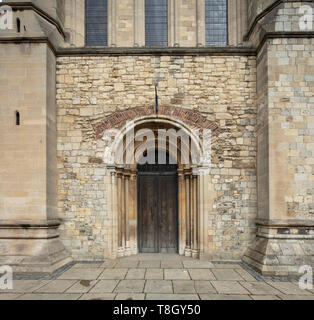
158	214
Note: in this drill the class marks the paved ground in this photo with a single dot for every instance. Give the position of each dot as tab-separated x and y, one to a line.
154	277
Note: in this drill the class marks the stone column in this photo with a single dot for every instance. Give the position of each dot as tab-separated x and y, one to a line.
111	23
195	231
127	209
182	212
114	211
188	214
120	212
172	23
200	22
139	23
133	212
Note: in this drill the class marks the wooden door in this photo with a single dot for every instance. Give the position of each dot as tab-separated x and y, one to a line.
157	210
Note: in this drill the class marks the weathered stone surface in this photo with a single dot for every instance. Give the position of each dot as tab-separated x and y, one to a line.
113	274
98	296
136	274
81	274
104	286
158	286
56	286
183	286
260	288
176	274
178	297
219	93
130	286
201	274
229	287
154	274
224	297
226	274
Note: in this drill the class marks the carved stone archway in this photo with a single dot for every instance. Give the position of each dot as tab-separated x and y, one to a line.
192	205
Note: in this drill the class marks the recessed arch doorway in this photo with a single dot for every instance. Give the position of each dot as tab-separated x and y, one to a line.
157	202
137	194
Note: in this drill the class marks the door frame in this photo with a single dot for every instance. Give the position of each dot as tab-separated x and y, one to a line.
196	197
139	215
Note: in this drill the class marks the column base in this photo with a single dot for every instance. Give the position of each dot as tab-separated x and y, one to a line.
188	252
35	256
281	249
120	252
195	254
32	248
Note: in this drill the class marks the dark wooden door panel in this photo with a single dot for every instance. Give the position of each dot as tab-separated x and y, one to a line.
158	218
149	214
168	214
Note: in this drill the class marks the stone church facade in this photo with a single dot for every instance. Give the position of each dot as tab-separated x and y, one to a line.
66	79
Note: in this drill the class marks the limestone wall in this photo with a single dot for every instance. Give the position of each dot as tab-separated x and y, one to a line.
291	128
23	148
91	88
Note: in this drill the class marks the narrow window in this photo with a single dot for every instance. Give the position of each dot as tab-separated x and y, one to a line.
18	25
96	22
156	22
17	118
216	22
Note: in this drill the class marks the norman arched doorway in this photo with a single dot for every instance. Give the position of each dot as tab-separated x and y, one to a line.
136	221
157	202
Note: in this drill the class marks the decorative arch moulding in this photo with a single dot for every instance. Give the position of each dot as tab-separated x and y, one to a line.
118	119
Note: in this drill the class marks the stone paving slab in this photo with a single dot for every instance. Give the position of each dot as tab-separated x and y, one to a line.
260	288
49	296
136	274
171	264
224	297
178	297
98	296
288	288
109	264
226	265
296	297
184	286
154	274
104	286
245	275
130	296
201	274
203	286
115	274
127	264
82	286
150	264
81	274
158	256
21	286
133	286
56	286
226	274
158	286
229	287
176	274
197	264
265	297
9	296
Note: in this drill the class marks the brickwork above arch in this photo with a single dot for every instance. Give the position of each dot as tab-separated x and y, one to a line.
118	119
